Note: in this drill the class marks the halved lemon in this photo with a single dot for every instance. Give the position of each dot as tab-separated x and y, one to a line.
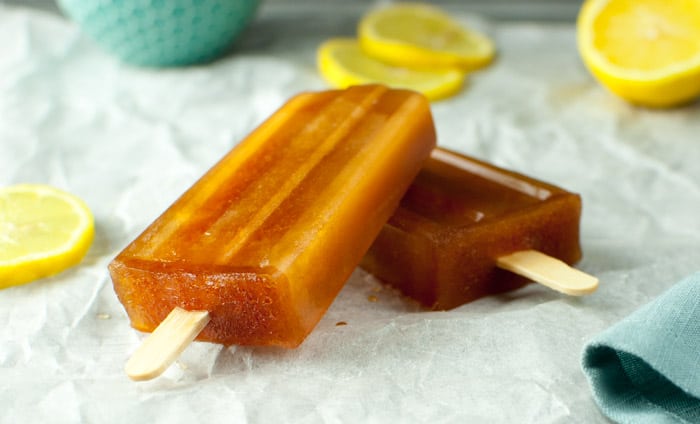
342	63
43	231
645	51
422	36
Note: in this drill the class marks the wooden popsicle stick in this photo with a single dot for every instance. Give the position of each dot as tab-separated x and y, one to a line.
165	344
549	271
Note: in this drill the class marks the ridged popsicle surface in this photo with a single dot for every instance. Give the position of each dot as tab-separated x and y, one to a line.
265	240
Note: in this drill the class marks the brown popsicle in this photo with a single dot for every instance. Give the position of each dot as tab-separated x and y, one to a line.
264	241
465	228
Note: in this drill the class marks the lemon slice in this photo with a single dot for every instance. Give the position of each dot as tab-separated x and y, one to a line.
43	231
646	51
421	36
342	63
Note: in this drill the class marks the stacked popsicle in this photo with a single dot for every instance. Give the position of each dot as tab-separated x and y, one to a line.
466	229
257	249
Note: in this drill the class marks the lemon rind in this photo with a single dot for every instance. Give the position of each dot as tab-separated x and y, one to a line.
407	54
452	80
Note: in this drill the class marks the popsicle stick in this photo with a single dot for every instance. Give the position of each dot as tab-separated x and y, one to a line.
549	271
166	343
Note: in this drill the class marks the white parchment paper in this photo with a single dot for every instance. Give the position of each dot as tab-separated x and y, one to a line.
129	141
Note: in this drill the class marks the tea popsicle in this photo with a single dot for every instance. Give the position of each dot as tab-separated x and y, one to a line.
465	228
264	241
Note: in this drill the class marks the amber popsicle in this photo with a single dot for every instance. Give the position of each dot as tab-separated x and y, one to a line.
459	223
265	240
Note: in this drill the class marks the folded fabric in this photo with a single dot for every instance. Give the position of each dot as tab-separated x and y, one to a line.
646	368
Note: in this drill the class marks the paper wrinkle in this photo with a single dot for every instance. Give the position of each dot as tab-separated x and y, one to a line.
129	141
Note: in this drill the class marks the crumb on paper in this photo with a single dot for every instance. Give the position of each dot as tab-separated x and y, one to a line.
372	298
103	316
340	323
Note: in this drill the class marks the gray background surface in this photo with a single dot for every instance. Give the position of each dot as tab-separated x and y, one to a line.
539	10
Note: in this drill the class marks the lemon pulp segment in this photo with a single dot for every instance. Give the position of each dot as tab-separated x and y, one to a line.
647	35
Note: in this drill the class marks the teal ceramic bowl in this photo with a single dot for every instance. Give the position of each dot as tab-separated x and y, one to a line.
162	32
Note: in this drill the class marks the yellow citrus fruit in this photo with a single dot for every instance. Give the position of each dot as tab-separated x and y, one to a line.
645	51
422	36
342	63
43	231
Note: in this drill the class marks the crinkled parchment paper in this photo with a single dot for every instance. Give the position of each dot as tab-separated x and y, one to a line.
129	141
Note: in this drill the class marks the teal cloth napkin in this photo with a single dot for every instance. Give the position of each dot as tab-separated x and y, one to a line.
646	368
